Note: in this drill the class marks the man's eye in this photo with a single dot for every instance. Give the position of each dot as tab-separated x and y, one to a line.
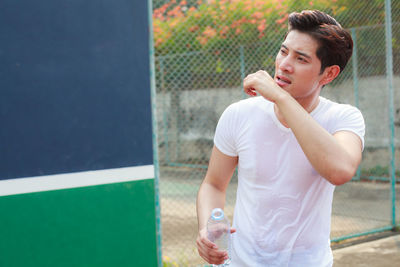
283	52
301	59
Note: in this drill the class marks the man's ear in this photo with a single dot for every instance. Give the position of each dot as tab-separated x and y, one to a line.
329	74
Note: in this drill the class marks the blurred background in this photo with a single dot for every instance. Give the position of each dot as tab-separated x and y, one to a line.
204	49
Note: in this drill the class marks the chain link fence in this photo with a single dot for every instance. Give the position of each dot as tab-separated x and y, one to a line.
204	49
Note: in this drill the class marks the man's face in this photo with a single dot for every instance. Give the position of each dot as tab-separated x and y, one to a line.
297	67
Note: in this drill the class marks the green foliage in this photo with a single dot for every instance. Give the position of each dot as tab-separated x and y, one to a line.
216	23
167	262
379	171
208	43
189	26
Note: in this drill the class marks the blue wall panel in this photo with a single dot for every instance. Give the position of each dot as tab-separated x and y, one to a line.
74	86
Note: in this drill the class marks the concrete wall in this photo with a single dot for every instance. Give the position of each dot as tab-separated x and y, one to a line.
189	128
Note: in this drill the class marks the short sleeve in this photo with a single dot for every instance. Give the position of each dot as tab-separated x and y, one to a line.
350	119
224	138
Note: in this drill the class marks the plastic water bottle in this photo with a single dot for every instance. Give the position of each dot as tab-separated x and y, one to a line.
219	232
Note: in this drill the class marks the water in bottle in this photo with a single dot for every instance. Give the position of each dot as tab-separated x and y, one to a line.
219	231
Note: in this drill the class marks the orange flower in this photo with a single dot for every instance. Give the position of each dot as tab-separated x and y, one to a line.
247	8
261	27
233	5
173	23
257	15
158	41
236	24
259	4
161	10
158	16
202	40
224	31
248	5
175	12
156	29
209	32
282	13
280	21
194	28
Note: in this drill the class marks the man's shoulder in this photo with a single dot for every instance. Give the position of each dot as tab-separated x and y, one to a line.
334	112
240	110
335	106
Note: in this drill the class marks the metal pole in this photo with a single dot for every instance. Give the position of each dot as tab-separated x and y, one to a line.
154	124
165	115
354	59
389	80
355	66
242	67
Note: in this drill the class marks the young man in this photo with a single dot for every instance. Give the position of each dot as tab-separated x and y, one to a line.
291	146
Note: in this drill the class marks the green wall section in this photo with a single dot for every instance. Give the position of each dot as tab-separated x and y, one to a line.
105	225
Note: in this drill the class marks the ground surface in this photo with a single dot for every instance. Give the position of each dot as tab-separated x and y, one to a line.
379	253
358	207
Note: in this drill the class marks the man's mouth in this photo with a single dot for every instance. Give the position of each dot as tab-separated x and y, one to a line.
282	81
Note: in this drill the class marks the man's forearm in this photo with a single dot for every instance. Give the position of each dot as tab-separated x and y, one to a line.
208	198
212	191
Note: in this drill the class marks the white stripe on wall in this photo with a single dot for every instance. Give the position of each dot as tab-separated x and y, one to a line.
77	179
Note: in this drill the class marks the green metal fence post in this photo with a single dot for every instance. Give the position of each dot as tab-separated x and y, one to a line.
165	116
154	125
355	80
389	79
355	66
242	67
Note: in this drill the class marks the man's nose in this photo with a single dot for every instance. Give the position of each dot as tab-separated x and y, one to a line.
286	65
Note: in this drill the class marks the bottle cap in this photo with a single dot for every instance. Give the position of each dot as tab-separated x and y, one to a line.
217	214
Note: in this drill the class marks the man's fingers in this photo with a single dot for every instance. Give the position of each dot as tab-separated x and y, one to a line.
212	253
250	91
249	85
209	251
211	248
207	242
213	256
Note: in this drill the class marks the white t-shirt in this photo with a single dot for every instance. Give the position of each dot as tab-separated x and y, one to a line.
283	206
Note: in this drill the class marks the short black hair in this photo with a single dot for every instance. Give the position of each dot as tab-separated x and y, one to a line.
335	43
